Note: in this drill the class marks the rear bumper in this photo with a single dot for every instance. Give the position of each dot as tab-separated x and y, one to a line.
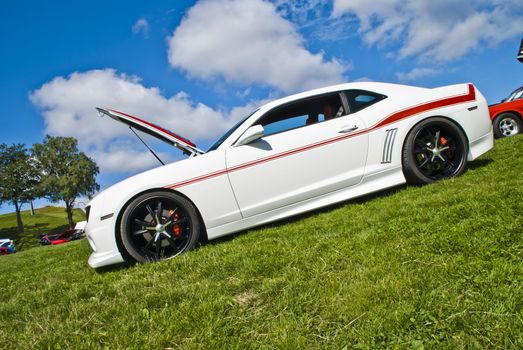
481	145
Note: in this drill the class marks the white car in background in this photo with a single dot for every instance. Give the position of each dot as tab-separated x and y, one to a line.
290	156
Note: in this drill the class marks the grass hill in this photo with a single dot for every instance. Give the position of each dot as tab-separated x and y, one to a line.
46	220
437	266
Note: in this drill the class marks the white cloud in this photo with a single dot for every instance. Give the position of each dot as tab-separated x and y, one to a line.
68	106
127	159
417	73
248	42
141	26
442	30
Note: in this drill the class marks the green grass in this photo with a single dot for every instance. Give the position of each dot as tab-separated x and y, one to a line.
46	220
438	266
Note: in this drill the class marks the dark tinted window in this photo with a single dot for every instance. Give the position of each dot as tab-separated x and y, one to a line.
305	112
360	99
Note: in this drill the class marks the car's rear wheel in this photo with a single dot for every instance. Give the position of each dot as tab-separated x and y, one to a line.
507	124
158	226
434	149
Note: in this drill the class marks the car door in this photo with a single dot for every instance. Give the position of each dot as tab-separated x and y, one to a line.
311	147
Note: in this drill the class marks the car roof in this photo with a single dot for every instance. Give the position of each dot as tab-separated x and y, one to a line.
382	88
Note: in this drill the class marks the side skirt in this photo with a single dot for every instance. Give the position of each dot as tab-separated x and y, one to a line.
370	183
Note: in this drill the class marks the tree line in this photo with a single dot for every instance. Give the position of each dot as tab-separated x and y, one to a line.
53	169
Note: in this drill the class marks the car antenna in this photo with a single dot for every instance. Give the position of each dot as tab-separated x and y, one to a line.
149	148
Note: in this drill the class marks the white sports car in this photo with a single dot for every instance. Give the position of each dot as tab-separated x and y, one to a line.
290	156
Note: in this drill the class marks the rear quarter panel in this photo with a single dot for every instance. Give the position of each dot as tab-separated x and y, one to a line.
409	107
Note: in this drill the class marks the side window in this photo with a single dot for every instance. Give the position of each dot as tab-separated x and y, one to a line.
302	113
518	95
360	99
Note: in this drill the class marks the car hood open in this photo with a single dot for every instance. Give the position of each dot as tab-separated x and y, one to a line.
156	131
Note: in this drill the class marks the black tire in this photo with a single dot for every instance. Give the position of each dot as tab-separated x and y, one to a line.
434	149
158	226
507	124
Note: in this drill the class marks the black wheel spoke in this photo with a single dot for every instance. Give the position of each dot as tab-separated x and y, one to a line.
143	223
159	211
448	161
140	232
173	212
172	243
420	143
148	244
436	138
151	212
424	163
179	221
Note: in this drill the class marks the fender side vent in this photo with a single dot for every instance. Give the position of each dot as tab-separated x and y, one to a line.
472	108
388	146
105	217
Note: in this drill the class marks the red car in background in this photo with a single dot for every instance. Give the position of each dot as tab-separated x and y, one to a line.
64	237
507	116
6	246
69	235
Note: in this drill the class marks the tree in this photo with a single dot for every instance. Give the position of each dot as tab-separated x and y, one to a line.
18	178
66	173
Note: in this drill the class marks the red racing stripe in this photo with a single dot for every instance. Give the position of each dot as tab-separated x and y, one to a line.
406	113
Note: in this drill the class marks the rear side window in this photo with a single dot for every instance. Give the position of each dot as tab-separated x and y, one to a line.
360	99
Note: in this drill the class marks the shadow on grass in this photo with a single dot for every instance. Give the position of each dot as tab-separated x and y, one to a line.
479	163
295	218
114	268
12	232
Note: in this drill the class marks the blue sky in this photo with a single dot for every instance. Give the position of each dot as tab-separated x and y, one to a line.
196	67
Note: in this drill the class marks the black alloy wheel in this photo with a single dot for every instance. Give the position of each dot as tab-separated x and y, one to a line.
435	149
158	226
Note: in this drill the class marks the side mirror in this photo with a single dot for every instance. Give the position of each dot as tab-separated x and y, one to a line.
255	132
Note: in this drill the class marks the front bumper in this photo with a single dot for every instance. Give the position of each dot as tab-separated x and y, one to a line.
101	237
97	260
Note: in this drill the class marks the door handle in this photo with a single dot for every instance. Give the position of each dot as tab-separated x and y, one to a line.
347	128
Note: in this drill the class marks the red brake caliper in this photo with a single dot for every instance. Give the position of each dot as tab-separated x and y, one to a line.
177	230
443	141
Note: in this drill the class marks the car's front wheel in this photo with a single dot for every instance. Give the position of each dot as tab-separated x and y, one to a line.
507	124
434	149
159	225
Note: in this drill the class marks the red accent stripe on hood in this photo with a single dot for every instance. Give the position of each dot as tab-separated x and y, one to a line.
170	133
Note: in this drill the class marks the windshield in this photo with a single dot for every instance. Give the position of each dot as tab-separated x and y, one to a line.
228	133
515	95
